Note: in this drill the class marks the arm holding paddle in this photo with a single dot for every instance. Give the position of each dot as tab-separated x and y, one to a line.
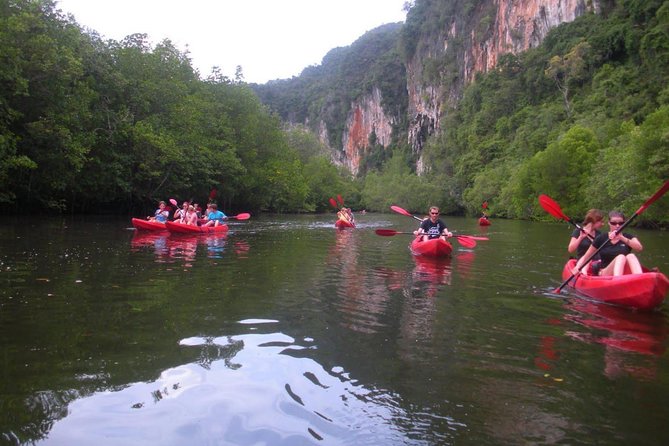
582	237
468	241
661	191
617	254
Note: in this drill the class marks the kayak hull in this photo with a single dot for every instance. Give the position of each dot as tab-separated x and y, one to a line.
181	228
484	222
147	225
436	247
341	224
643	291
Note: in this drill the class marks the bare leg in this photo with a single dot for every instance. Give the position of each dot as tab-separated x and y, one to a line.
634	264
619	267
615	268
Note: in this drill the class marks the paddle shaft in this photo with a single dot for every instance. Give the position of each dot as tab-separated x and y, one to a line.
643	207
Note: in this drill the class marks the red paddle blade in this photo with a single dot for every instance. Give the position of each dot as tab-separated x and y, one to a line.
212	194
386	232
333	203
340	200
466	241
243	216
552	207
485	205
174	202
399	210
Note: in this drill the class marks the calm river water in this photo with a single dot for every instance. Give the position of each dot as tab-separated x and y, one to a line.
289	332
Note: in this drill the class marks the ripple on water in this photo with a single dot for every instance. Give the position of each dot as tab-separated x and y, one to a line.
251	389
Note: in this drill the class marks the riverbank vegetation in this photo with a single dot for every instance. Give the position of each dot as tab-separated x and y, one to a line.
95	125
583	118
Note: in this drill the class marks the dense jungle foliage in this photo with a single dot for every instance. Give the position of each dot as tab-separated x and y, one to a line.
92	125
583	118
89	125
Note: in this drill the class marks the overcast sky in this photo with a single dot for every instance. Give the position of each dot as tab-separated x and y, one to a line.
270	39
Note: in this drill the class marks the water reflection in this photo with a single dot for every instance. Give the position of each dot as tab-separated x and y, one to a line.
169	247
633	342
241	389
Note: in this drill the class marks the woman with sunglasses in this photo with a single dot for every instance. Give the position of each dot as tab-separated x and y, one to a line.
433	227
617	254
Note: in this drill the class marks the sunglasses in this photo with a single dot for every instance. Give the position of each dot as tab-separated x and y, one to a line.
434	213
615	223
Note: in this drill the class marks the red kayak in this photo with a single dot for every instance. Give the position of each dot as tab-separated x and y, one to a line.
182	228
148	225
484	222
436	247
643	291
341	224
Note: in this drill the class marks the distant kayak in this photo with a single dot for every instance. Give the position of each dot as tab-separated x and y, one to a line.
484	222
148	225
181	228
643	291
436	247
341	224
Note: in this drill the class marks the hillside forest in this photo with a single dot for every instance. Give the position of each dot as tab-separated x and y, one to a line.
93	125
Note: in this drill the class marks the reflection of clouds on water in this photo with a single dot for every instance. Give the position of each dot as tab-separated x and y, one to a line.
248	389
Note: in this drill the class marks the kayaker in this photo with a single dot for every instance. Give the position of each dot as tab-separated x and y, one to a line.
215	217
349	214
191	216
433	226
617	254
344	215
580	241
180	214
161	215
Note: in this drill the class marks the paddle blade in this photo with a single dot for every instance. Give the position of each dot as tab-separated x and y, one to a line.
399	210
340	200
333	203
465	241
212	194
552	207
485	205
243	216
386	232
174	202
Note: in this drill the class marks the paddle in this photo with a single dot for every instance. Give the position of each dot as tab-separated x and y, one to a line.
242	216
552	207
468	241
399	210
661	191
340	200
333	203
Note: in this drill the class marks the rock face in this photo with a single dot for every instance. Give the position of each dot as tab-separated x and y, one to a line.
499	27
366	118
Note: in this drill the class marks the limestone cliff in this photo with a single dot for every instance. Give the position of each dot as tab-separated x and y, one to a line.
366	118
494	28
